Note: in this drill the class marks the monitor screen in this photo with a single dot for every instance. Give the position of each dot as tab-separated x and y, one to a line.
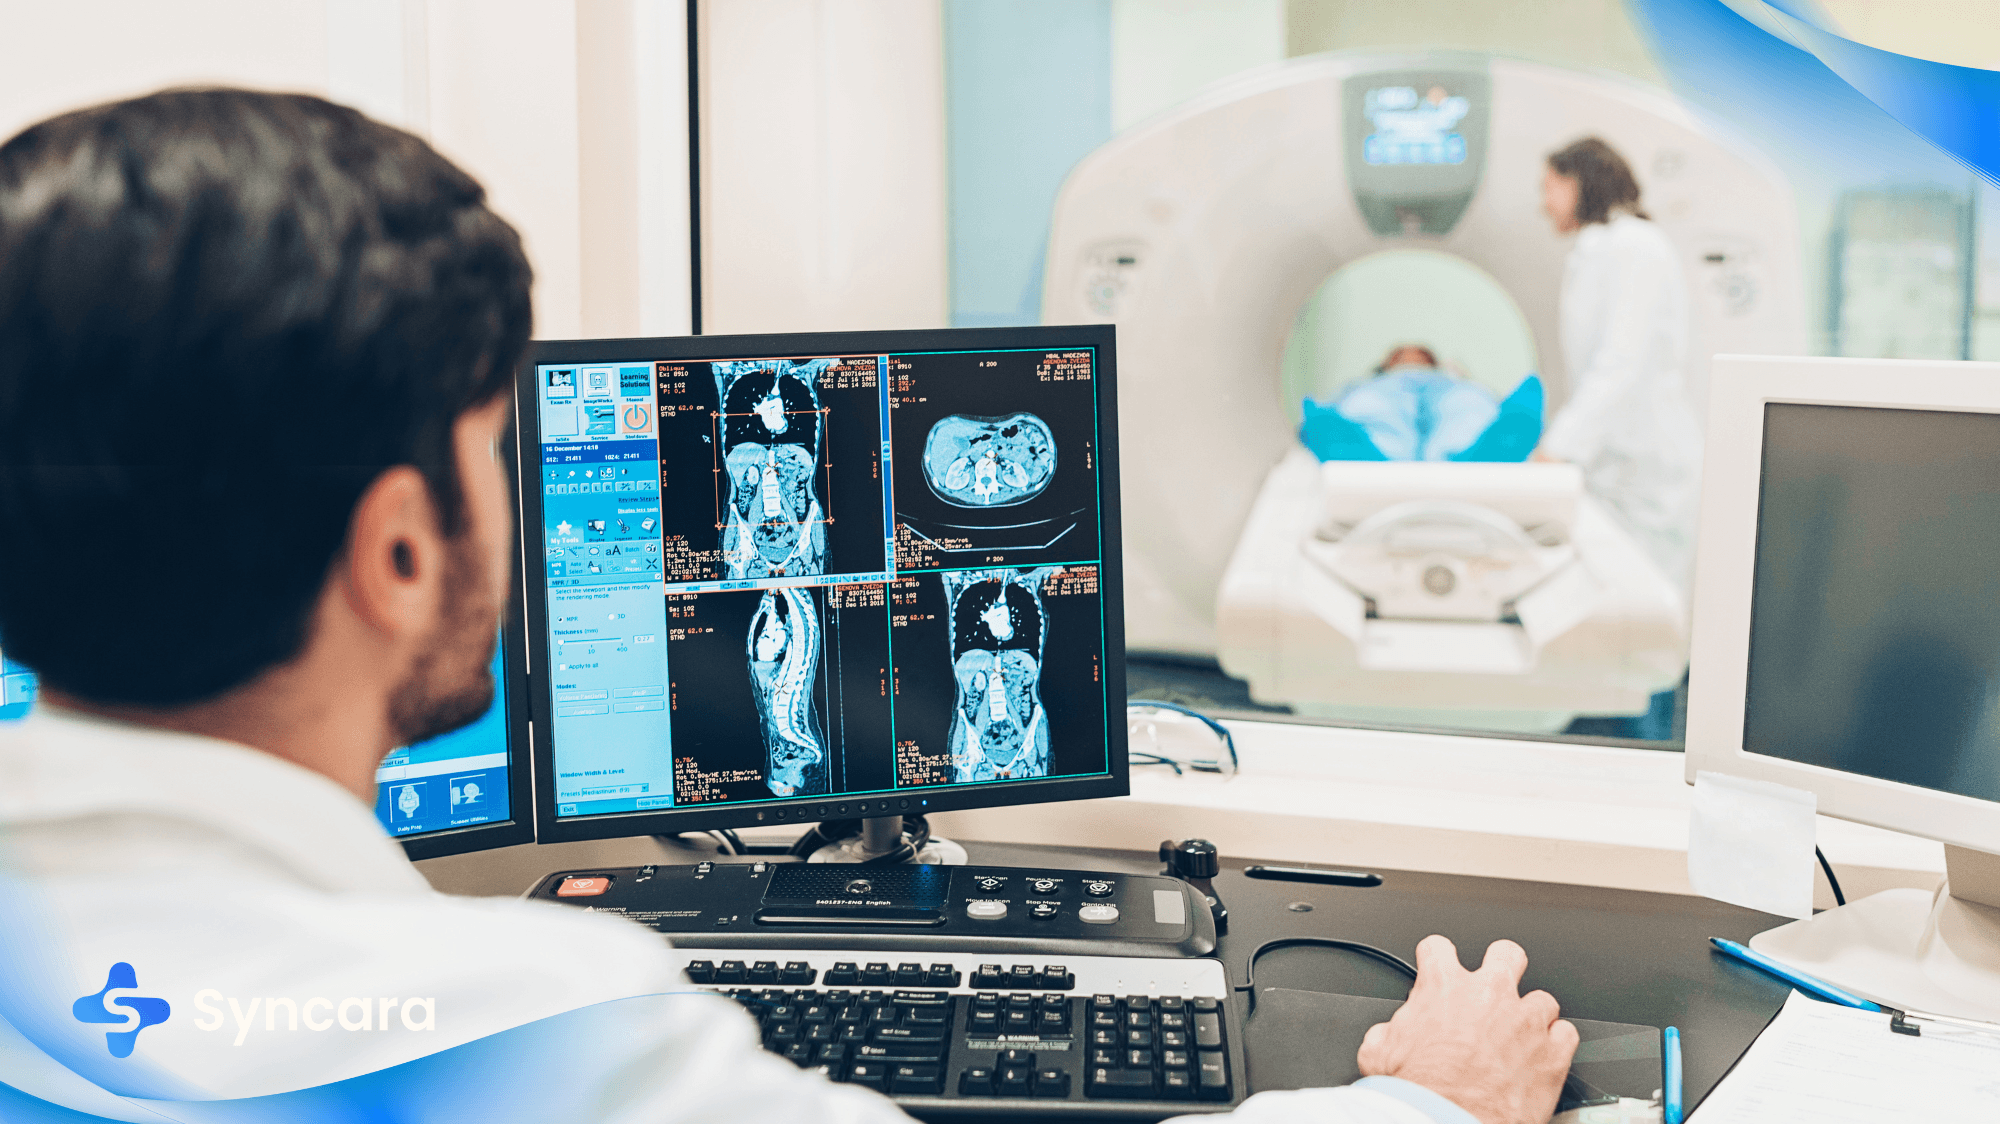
799	578
1875	624
1411	126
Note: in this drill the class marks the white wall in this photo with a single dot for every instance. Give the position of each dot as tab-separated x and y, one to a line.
1162	51
823	165
572	114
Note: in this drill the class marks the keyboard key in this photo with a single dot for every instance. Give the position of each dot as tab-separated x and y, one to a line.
887	1034
846	973
1176	1085
1174	1039
1130	1084
924	998
1051	1083
1020	1000
797	972
941	975
1019	1021
1172	1003
1104	1020
1023	975
1206	1003
1013	1080
1104	1002
732	972
1134	1038
1104	1038
925	1015
984	1022
986	999
1138	1020
1139	1059
819	1032
877	974
1208	1030
798	1053
874	1075
910	975
1212	1075
1023	1058
1174	1059
701	971
989	975
1173	1022
976	1082
831	1053
1054	1021
1138	1002
764	972
1102	1058
817	1013
916	1079
1056	977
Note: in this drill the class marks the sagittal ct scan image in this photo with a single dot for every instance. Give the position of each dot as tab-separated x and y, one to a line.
771	429
998	731
785	644
989	462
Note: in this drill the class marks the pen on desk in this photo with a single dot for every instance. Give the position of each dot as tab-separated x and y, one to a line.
1672	1110
1309	874
1805	983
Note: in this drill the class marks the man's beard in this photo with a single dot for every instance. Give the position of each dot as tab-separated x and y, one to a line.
451	685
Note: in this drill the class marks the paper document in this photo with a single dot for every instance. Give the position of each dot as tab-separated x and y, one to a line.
1828	1064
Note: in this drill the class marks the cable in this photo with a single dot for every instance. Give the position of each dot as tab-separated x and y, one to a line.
1221	731
1832	882
1249	983
1139	758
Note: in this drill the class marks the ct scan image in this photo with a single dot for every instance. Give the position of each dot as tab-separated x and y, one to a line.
995	459
999	675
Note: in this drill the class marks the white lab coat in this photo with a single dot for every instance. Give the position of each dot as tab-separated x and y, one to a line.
225	877
1628	422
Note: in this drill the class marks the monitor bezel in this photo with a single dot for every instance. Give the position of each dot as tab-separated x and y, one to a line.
519	827
549	829
1740	388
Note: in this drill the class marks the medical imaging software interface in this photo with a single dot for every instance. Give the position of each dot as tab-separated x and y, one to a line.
779	578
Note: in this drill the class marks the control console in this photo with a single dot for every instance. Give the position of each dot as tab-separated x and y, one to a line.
970	909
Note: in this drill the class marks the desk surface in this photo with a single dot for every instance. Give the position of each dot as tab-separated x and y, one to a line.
1615	955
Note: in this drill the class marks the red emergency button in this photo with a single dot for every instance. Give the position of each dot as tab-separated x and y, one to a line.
582	887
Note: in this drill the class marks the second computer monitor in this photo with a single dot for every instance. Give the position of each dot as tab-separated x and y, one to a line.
795	578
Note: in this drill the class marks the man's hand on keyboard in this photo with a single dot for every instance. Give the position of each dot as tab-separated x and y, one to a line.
1474	1039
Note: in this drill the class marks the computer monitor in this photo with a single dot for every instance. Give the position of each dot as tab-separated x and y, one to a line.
796	578
1846	641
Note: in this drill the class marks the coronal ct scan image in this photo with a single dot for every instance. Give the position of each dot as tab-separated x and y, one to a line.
989	462
784	646
774	524
998	731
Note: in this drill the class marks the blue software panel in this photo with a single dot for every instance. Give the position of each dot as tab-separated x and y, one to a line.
17	690
458	780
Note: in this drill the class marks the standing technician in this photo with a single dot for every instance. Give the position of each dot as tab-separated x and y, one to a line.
1628	423
256	354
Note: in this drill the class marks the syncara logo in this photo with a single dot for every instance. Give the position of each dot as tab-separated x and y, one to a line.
140	1011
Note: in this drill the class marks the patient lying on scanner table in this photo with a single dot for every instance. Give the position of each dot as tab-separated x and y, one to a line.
1415	410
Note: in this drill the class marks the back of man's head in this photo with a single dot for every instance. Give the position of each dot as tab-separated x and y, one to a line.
222	315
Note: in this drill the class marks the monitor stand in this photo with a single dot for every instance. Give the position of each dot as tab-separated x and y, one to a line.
1914	950
881	835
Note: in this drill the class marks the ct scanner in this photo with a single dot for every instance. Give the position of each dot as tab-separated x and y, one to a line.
1203	232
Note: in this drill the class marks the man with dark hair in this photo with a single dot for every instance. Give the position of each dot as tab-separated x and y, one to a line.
254	359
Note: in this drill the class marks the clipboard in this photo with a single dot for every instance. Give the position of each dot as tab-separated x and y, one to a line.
1309	1039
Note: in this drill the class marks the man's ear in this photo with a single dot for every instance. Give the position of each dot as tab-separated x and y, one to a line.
393	569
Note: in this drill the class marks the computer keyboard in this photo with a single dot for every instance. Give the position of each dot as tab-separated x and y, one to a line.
1121	1037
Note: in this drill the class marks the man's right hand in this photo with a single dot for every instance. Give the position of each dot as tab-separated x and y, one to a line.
1474	1039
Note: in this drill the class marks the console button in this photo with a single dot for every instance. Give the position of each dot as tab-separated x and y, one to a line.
986	911
1097	913
989	883
1042	911
1098	887
1044	885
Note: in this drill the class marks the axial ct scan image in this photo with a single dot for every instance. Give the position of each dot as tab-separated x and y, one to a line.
989	462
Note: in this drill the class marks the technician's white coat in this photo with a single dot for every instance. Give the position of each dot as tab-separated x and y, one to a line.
1628	422
209	866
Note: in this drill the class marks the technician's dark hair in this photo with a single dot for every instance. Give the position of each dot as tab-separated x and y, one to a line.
1604	180
223	314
